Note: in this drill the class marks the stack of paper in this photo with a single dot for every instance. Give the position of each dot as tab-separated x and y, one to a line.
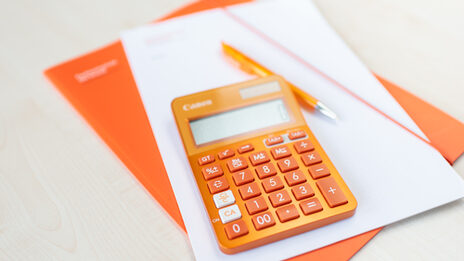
392	173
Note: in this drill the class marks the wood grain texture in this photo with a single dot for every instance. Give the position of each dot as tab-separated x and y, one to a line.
65	196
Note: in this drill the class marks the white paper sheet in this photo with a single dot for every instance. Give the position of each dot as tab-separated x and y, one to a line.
392	173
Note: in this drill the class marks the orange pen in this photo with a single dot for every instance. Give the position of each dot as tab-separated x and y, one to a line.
248	65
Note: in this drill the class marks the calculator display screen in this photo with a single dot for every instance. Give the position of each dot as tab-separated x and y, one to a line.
239	121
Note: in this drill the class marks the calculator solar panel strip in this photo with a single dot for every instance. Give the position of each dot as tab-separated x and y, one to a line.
261	172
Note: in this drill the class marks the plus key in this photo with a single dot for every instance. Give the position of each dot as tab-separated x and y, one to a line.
331	192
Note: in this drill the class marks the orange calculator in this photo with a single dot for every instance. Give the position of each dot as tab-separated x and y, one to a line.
261	172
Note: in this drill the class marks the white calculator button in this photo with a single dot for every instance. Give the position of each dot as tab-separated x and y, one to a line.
224	198
229	214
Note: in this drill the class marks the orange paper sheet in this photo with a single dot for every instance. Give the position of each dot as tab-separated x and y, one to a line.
101	87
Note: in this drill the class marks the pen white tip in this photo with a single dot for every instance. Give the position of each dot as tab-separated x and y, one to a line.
325	110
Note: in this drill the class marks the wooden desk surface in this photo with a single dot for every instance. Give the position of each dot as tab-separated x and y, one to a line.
64	195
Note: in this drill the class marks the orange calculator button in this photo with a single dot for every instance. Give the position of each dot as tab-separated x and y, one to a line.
310	206
274	140
279	198
249	191
331	192
295	177
302	191
259	157
280	152
256	205
212	171
236	229
237	164
296	135
266	170
206	159
227	153
263	221
303	146
242	177
287	213
272	184
287	164
311	158
218	185
319	171
245	148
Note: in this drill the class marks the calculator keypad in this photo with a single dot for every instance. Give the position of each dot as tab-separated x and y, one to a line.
271	186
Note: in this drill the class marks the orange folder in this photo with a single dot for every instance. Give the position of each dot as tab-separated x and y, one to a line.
101	87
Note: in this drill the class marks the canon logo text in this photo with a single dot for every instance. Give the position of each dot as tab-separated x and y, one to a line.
189	107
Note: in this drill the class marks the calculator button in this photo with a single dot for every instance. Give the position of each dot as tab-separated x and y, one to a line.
310	206
279	198
236	229
206	159
242	177
280	152
245	148
331	192
265	170
303	146
287	213
311	158
302	191
223	199
259	158
272	184
218	185
274	140
263	221
296	135
256	205
229	214
227	153
249	191
287	164
295	177
212	171
319	171
237	164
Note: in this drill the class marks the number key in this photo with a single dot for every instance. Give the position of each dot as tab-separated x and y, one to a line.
249	191
242	177
279	198
263	221
302	191
236	229
288	164
266	170
256	205
295	177
272	184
